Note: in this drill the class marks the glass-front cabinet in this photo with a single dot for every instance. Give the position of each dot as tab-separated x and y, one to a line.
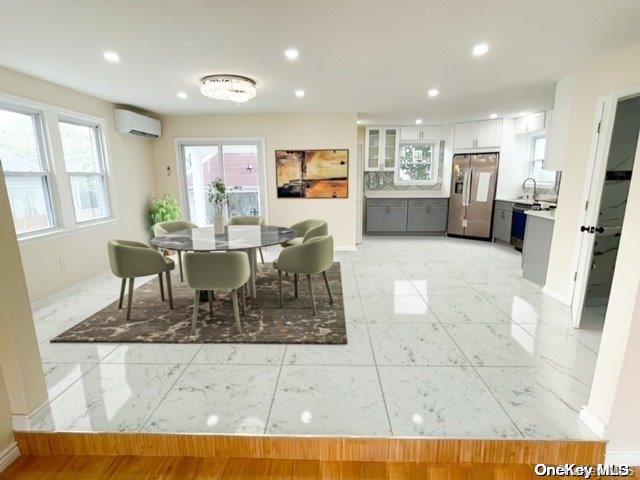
381	147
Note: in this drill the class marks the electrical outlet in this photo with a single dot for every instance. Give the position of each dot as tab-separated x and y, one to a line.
169	170
62	262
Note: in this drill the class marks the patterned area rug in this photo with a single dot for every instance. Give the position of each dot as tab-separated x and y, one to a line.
153	322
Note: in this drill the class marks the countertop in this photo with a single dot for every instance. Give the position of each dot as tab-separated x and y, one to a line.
548	214
404	194
524	201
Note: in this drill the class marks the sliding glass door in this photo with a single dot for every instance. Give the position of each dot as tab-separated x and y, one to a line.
237	164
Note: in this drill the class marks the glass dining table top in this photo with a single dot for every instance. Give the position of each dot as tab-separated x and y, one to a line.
234	237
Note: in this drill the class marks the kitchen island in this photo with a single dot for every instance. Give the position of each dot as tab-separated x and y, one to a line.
537	245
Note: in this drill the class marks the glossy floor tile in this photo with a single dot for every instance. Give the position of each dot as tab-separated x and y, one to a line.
445	339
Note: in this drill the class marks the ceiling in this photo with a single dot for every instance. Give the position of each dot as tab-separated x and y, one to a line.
376	58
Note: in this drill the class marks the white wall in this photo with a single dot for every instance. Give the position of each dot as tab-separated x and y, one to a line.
608	73
281	132
131	160
513	168
6	434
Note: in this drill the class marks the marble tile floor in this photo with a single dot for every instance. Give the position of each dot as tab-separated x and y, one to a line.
445	339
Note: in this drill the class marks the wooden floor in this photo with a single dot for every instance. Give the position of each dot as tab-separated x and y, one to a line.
191	468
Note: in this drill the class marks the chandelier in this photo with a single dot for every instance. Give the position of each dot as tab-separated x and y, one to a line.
232	88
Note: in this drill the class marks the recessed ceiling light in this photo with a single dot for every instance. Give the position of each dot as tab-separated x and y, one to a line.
112	57
418	121
299	93
493	115
181	95
291	53
480	49
433	92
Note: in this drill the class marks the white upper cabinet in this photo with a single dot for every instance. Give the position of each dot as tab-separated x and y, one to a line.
475	135
429	132
557	137
530	123
381	148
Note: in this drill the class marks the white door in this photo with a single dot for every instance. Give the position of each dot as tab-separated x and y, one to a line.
489	133
465	135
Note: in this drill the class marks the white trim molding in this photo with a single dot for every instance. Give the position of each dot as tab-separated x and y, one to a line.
25	423
561	297
9	455
593	421
623	457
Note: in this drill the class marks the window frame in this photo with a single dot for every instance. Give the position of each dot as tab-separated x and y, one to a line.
532	161
46	173
434	164
103	163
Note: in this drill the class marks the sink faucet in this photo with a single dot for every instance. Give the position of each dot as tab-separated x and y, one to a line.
535	186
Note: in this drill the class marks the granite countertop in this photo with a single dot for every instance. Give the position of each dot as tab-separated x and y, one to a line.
405	194
548	214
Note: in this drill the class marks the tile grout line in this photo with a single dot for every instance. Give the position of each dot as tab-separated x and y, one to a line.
275	389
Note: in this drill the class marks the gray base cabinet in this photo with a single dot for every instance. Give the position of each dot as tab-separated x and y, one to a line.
535	250
502	215
415	215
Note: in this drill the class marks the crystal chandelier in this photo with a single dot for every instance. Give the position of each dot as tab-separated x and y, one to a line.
232	88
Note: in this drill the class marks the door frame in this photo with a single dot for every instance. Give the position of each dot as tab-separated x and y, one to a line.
182	190
606	106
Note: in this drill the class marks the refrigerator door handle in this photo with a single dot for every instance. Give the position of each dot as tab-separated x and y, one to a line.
466	190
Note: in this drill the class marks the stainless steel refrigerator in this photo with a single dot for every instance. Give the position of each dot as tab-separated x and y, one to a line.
473	189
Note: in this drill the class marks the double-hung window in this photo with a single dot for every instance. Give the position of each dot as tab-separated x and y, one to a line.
418	163
25	161
84	159
538	150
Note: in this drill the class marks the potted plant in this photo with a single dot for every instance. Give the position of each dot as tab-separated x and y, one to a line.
164	209
219	198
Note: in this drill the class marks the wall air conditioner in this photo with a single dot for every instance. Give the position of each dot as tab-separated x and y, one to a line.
136	124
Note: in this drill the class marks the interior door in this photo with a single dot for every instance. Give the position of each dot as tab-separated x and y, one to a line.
458	194
482	193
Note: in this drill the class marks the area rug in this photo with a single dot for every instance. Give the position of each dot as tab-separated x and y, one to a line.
153	322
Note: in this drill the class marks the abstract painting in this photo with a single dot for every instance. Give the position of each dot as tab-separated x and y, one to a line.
312	173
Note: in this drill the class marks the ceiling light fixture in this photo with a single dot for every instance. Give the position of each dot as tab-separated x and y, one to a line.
299	93
493	116
291	53
480	49
433	92
232	88
112	57
181	95
418	121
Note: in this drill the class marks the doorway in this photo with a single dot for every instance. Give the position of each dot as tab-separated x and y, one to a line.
605	209
239	164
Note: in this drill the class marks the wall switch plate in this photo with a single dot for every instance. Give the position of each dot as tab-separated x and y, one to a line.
169	170
62	262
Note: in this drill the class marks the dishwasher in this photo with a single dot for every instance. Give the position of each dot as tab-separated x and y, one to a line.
519	224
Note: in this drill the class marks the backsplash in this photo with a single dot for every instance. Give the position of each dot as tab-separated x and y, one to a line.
385	180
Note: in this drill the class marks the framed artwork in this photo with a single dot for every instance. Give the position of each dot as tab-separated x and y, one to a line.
312	173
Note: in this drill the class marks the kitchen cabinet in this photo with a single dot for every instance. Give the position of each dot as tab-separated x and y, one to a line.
530	123
398	215
381	148
557	138
477	135
536	248
429	132
502	215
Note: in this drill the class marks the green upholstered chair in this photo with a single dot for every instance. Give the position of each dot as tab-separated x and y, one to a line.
168	227
208	271
312	257
307	229
129	259
248	220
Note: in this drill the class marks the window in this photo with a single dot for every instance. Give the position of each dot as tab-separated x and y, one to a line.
538	151
418	164
84	159
26	166
237	164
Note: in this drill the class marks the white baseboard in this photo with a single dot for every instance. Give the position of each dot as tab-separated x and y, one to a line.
65	292
24	423
593	421
9	455
346	249
561	297
623	457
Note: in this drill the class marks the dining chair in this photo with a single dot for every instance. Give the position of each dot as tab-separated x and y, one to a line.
309	258
306	230
248	220
208	271
129	259
167	228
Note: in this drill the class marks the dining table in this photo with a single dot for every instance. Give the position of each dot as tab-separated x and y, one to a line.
246	238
